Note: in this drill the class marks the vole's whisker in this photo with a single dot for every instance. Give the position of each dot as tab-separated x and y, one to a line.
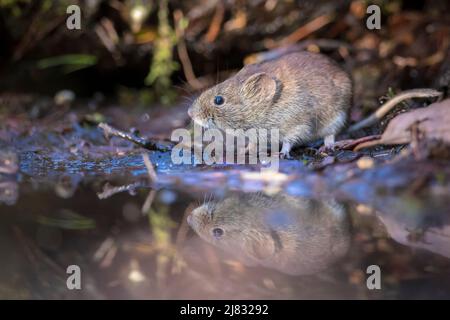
183	88
209	199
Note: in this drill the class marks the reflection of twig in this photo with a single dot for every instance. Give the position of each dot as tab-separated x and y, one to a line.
109	190
106	253
148	201
183	229
142	142
34	253
150	169
153	178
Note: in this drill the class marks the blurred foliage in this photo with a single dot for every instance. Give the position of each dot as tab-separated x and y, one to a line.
67	219
13	5
163	64
138	13
19	7
162	227
69	62
144	48
135	98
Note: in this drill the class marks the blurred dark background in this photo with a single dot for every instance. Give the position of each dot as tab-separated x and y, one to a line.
153	48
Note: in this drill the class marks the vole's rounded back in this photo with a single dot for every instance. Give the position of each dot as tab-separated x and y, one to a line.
293	235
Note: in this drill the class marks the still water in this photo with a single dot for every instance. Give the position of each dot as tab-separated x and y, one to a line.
202	233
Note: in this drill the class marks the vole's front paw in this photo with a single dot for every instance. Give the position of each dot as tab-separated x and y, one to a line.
330	145
327	149
285	155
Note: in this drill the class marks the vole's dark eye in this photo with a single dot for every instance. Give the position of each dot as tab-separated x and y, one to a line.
218	100
217	232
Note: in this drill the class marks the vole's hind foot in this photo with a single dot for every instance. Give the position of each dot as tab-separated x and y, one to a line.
286	156
329	141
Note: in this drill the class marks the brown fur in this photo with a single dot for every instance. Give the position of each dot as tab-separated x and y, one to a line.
291	234
304	95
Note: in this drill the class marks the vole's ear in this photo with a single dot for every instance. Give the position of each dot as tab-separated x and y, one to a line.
261	249
259	88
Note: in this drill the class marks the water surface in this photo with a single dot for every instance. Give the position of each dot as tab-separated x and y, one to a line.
223	232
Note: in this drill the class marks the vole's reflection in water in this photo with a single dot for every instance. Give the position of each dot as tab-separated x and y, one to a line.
9	188
294	235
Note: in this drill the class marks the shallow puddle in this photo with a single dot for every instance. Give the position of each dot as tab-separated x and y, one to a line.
223	233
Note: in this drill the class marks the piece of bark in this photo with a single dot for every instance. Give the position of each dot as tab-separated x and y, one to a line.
432	123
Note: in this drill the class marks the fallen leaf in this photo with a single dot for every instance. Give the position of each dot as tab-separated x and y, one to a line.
432	123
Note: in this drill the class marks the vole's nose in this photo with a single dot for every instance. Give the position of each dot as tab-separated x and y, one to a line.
190	112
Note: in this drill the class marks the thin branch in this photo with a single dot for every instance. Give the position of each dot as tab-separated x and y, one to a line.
305	30
150	169
216	23
183	53
140	141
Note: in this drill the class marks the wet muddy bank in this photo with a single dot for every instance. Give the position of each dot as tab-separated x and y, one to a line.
76	198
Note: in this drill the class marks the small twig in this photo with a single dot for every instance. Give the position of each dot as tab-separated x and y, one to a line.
325	44
109	38
351	143
216	23
150	169
367	144
109	190
35	34
305	30
389	105
142	142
